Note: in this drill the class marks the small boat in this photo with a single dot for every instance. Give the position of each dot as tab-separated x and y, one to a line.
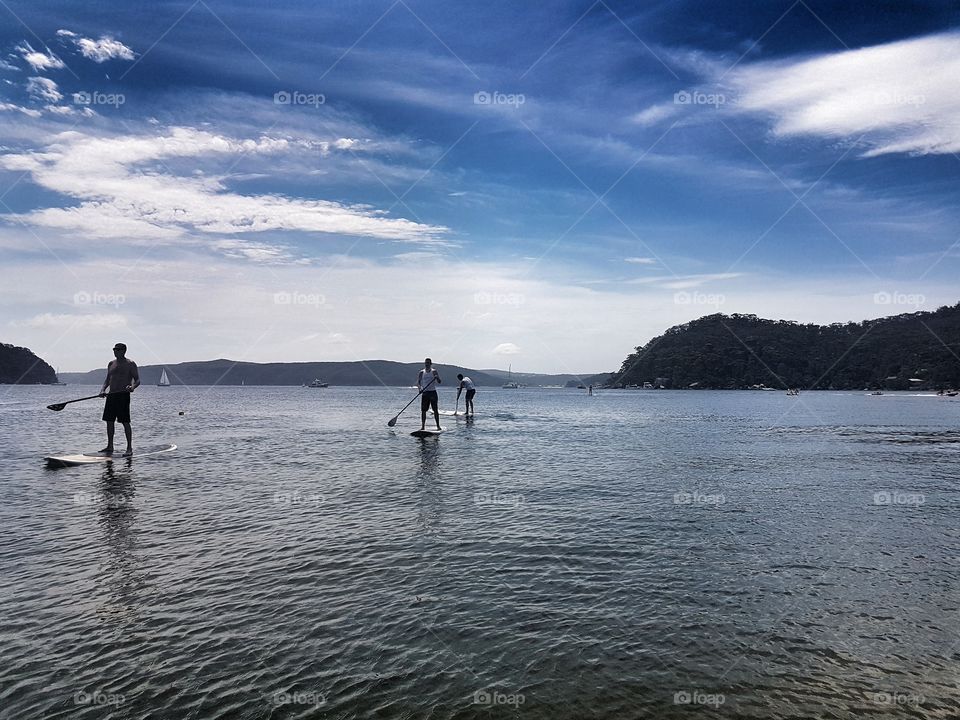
510	384
164	380
317	383
793	392
877	392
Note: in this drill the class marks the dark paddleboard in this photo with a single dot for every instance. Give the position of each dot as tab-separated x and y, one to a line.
427	433
96	457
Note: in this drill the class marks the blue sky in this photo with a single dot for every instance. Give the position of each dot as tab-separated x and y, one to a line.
545	185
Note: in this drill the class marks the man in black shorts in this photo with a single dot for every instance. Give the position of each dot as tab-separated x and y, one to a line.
122	379
427	381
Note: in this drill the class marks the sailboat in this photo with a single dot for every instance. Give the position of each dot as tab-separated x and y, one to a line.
164	380
510	384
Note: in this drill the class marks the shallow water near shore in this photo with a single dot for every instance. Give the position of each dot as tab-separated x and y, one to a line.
630	554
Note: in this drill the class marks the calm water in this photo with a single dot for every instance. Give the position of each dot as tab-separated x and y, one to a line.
634	554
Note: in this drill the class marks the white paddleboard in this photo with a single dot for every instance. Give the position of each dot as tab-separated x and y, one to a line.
451	413
96	457
427	433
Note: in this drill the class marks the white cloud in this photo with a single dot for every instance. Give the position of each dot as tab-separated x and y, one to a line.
900	96
506	349
653	114
120	197
10	107
51	320
106	48
641	260
44	89
39	61
681	282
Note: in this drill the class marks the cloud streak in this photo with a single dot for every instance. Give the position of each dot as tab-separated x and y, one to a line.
126	189
901	96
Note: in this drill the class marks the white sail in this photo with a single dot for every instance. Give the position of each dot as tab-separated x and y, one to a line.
164	380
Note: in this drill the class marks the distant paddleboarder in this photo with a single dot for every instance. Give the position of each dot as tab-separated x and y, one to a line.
122	379
466	384
427	381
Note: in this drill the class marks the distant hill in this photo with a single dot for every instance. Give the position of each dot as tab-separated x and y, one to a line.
229	372
538	379
918	350
20	366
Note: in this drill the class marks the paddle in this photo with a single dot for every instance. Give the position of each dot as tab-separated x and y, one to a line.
57	407
393	420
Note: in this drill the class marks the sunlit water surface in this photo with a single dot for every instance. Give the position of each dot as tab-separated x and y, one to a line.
632	554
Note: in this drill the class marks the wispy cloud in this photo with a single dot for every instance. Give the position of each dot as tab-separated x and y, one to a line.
119	198
901	96
62	320
681	282
44	89
106	48
39	61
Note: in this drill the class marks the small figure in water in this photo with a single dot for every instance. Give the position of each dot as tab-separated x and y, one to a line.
122	379
427	381
466	384
590	390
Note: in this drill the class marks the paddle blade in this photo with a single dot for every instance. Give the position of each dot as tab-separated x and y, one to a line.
56	407
393	421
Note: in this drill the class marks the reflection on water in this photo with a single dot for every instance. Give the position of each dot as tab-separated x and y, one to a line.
626	555
121	570
429	484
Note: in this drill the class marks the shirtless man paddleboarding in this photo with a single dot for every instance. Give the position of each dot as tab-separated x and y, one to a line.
122	379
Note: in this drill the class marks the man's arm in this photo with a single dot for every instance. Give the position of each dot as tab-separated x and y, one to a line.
420	381
436	376
135	374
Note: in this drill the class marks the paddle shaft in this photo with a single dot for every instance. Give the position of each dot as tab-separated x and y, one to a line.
91	397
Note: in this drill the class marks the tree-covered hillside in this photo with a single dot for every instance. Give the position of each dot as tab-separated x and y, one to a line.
737	351
19	365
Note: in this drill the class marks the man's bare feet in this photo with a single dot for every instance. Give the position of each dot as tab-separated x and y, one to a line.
108	450
128	452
